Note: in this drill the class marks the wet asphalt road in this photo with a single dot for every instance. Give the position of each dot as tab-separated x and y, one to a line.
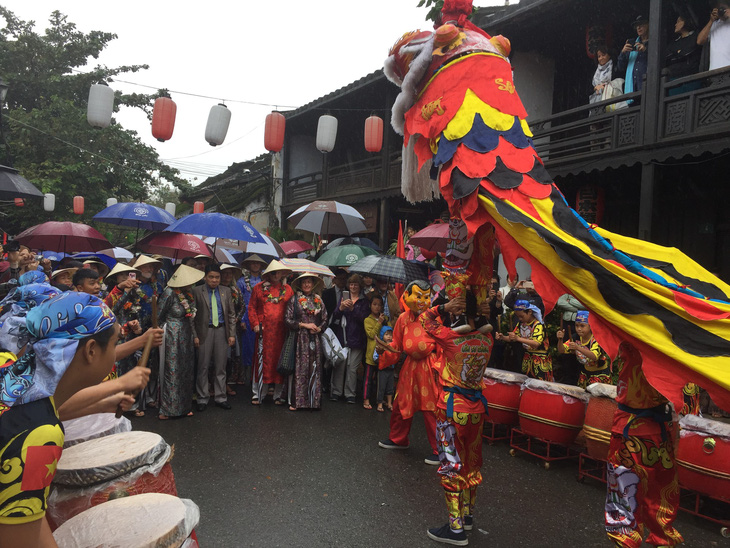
267	477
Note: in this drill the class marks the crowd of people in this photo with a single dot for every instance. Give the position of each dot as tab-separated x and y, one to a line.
293	338
624	73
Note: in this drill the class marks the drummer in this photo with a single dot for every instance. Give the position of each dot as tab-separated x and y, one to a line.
530	332
594	362
73	337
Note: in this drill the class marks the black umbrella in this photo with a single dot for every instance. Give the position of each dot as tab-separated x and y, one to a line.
13	185
356	240
393	268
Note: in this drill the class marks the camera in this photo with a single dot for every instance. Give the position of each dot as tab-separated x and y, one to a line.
721	12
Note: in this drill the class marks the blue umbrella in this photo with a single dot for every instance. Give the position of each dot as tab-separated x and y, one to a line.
217	225
136	215
53	255
110	262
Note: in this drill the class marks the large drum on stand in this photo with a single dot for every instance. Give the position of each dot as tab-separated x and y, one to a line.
599	419
551	411
502	390
150	520
703	456
95	471
94	426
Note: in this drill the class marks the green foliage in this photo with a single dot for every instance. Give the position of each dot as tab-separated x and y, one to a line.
285	234
48	137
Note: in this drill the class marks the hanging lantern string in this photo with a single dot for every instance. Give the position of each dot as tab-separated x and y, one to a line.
275	106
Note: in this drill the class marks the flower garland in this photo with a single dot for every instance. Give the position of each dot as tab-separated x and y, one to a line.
187	302
270	297
310	304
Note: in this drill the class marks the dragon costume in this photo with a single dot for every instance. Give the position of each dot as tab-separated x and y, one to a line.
466	137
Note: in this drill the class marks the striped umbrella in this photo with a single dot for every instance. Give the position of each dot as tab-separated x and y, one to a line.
305	265
393	268
328	217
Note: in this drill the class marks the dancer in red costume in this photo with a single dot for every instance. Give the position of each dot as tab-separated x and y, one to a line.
417	389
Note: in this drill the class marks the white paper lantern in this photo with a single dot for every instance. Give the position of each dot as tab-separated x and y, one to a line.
111	202
49	202
170	208
101	105
326	133
217	126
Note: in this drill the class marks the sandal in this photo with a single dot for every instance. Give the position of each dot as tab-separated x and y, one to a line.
163	417
230	391
190	414
292	408
138	413
367	406
380	408
255	401
279	401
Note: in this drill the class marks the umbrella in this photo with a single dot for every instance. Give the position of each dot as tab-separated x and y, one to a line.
63	236
305	265
294	247
136	215
217	225
433	238
222	255
344	255
357	240
108	261
393	268
118	253
270	246
173	245
328	217
53	255
14	185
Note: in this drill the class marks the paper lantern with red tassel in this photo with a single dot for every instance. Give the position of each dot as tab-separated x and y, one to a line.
163	118
79	205
274	132
198	207
19	202
373	134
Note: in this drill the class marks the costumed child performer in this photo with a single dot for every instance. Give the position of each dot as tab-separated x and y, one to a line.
595	364
537	362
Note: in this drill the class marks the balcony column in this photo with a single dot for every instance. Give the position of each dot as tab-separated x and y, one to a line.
646	200
653	74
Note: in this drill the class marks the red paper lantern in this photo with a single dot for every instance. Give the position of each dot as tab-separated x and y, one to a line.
274	132
19	202
163	118
589	203
79	205
198	207
373	134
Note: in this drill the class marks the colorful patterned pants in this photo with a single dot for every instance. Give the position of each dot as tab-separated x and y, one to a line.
643	492
459	441
537	366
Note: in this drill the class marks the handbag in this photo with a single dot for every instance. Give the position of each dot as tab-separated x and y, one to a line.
288	356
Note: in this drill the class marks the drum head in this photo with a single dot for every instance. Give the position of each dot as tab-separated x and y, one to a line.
504	376
152	520
106	458
92	427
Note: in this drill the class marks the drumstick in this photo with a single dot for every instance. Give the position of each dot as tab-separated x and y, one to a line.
145	353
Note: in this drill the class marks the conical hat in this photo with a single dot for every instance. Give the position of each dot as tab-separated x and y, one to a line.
184	276
253	259
238	270
71	271
275	266
318	283
144	259
120	268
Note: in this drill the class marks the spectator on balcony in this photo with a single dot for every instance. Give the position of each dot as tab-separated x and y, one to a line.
683	55
717	31
634	56
605	73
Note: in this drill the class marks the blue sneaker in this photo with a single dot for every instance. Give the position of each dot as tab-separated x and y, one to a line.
432	459
387	444
447	536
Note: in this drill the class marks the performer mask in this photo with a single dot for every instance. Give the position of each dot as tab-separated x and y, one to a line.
417	296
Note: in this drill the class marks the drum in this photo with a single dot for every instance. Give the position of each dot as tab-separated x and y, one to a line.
95	471
127	523
92	427
599	419
551	411
703	456
502	390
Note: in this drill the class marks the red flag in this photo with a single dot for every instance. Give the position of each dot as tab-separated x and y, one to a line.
400	251
40	466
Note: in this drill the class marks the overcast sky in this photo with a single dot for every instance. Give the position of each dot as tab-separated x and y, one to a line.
252	54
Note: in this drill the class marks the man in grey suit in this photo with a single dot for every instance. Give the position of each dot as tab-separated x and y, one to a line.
215	324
